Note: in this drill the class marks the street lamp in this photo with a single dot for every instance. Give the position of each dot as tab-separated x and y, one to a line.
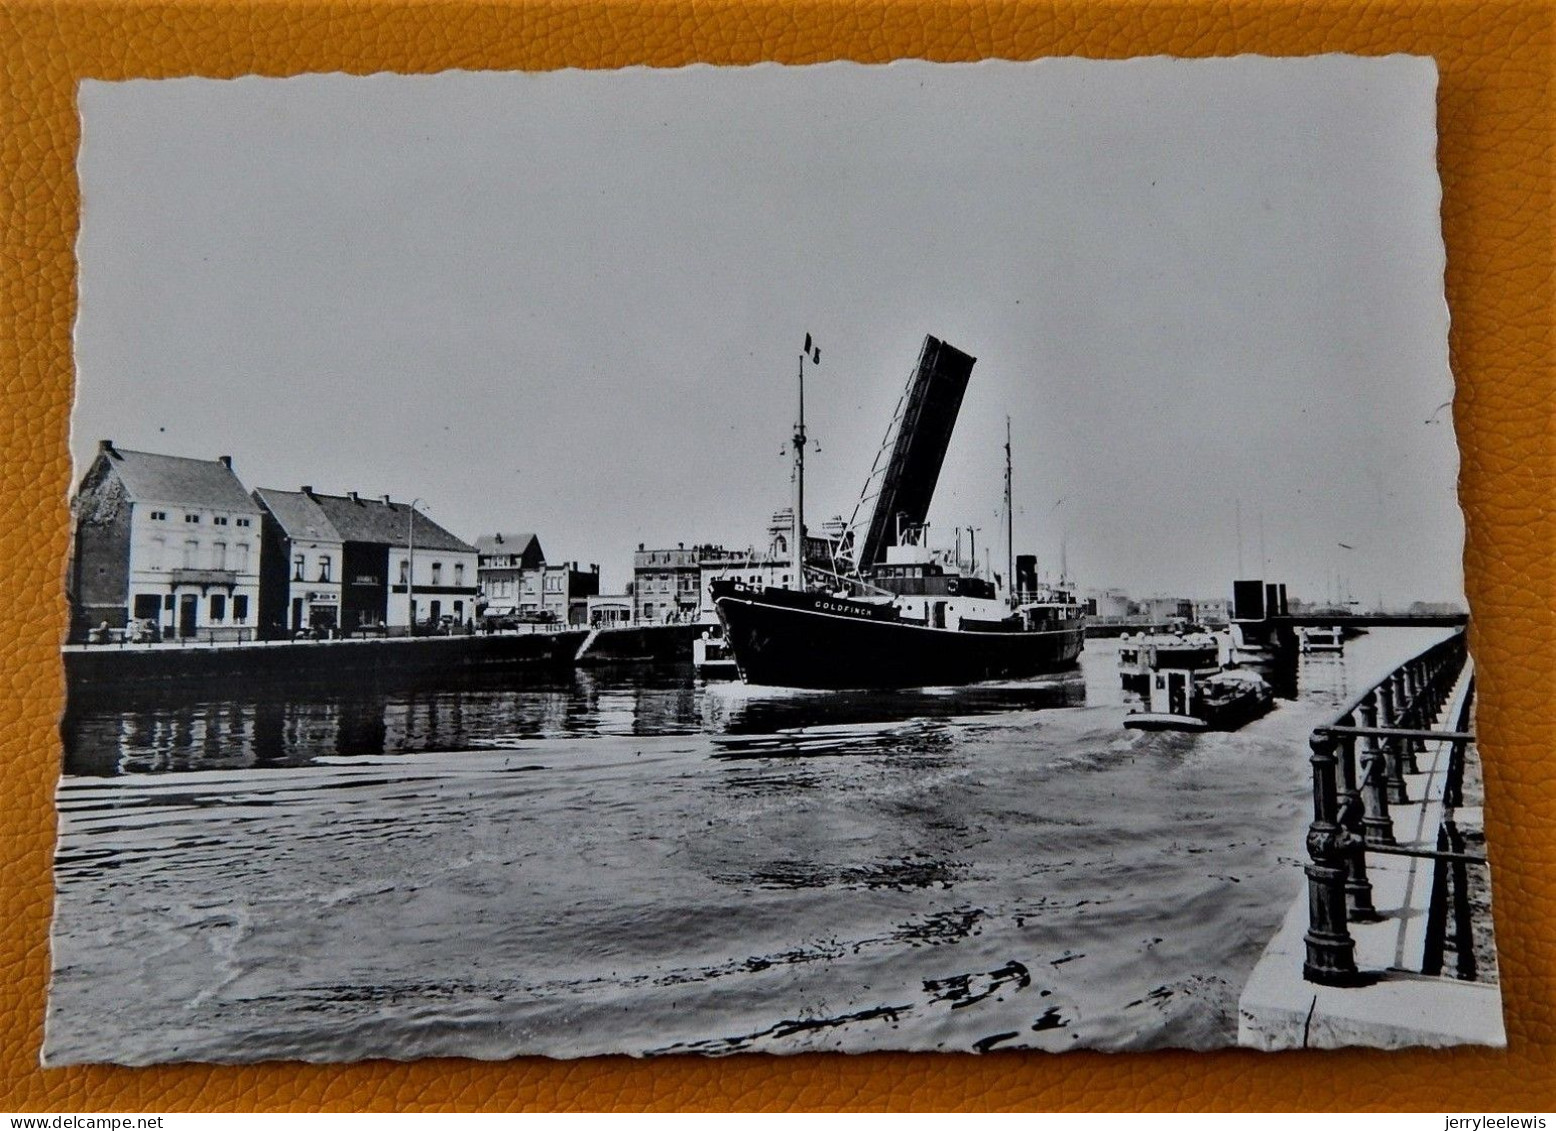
410	564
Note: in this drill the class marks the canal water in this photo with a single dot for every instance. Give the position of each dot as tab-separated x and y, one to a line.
630	861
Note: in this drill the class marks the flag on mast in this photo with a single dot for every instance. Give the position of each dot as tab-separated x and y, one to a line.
813	351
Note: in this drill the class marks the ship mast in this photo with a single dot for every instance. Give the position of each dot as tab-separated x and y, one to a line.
798	541
814	353
1010	526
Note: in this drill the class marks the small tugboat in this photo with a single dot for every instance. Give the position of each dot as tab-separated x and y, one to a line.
886	611
711	657
1139	656
1215	699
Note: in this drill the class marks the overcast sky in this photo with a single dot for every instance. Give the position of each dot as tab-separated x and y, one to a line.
573	302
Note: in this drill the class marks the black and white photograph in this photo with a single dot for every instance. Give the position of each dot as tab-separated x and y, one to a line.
932	557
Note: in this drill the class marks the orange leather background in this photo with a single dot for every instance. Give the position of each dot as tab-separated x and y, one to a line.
1496	156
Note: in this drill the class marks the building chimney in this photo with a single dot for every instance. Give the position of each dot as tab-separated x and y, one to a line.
225	461
106	447
352	495
386	501
307	490
498	538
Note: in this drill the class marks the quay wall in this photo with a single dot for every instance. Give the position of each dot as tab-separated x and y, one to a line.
171	665
310	660
647	643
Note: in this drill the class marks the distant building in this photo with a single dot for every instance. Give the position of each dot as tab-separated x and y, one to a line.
819	540
1161	609
608	610
395	564
501	562
1436	608
516	580
748	567
565	591
1108	603
673	584
665	583
170	543
304	560
1216	610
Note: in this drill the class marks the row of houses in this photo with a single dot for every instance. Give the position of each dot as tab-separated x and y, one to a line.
172	547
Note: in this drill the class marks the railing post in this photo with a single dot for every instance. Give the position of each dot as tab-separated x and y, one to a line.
1453	786
1377	825
1410	716
1415	716
1463	923
1358	888
1389	747
1385	692
1436	912
1331	952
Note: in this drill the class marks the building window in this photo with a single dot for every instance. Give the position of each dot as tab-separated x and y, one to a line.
324	567
218	606
220	520
243	522
242	563
158	554
437	573
240	608
299	563
159	516
405	571
459	576
218	555
191	551
191	518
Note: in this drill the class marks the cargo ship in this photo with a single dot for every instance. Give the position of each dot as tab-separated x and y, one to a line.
884	610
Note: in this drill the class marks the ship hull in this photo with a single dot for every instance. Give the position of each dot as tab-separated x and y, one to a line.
783	646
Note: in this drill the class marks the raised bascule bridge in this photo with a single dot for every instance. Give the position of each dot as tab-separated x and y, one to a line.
902	480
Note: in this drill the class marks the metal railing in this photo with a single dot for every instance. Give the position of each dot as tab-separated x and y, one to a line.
1359	766
1450	915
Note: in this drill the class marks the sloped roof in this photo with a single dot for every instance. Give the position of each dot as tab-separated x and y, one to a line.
299	516
525	545
204	483
373	520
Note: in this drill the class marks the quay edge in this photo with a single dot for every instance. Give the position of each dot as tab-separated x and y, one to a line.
110	667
